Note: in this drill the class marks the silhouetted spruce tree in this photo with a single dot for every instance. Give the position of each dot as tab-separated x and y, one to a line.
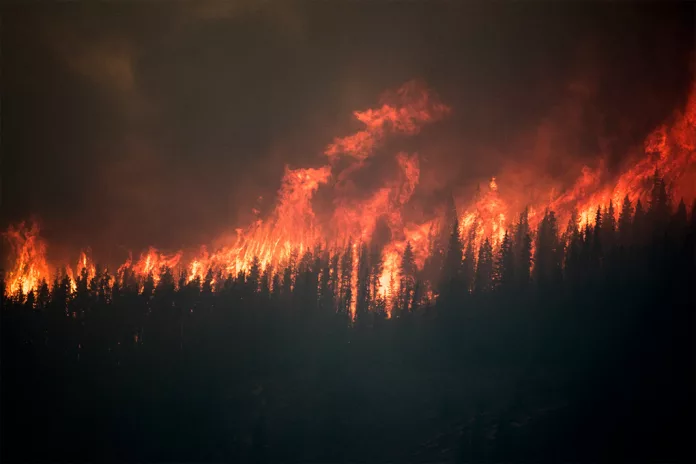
597	245
326	296
572	254
625	224
440	241
678	224
363	297
450	279
407	281
609	226
289	275
548	252
129	281
61	292
639	229
148	287
306	289
207	288
376	268
417	297
484	270
346	287
165	288
380	311
659	206
468	265
276	287
254	278
522	247
182	280
30	301
504	271
43	296
265	290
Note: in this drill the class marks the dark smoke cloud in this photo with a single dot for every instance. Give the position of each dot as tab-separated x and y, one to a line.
125	125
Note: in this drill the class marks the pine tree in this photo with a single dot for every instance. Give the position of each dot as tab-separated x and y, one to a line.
346	283
207	289
451	276
363	297
659	206
43	296
484	270
522	250
335	280
468	265
597	245
148	287
376	269
524	262
436	261
288	275
165	286
505	265
30	302
266	283
548	251
638	231
678	224
625	222
407	280
609	226
276	288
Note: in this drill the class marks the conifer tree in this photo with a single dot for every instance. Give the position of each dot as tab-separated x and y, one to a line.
407	281
504	271
522	248
254	279
451	277
484	270
346	287
43	296
609	226
468	265
363	297
625	222
638	231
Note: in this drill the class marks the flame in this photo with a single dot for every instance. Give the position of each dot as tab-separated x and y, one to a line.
152	261
29	250
83	262
294	227
404	111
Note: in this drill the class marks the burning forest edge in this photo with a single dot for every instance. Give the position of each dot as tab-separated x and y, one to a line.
406	268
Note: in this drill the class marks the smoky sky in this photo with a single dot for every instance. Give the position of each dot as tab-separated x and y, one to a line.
126	124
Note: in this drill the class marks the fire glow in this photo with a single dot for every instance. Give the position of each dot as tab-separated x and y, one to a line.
294	228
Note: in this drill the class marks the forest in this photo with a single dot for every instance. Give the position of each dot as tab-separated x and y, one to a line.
566	343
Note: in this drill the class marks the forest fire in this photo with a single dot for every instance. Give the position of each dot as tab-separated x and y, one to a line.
294	228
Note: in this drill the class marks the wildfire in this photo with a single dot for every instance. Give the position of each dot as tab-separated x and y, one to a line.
294	227
29	251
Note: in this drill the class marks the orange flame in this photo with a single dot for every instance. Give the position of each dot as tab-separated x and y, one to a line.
29	250
294	228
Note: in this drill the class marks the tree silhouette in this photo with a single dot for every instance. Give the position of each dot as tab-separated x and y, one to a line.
407	281
625	224
484	270
504	271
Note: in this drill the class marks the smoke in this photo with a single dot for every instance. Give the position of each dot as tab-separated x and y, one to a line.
166	124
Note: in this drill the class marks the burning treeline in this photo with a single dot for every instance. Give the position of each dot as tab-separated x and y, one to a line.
368	253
